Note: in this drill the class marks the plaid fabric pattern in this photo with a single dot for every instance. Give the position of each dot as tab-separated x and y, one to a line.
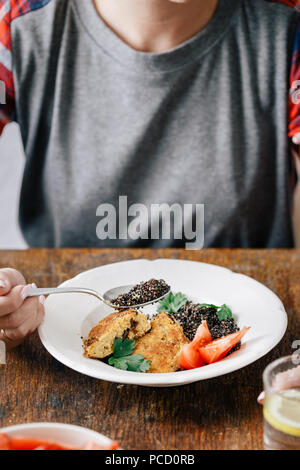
9	10
294	102
293	105
291	3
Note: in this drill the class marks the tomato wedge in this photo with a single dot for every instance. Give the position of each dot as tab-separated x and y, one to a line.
202	336
4	442
27	443
202	350
217	349
190	357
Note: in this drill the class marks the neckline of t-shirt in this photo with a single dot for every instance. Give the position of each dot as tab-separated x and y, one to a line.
168	61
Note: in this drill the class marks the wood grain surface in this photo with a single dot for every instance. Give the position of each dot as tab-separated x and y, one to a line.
220	413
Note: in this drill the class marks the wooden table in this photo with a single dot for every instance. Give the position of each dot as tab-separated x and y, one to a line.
220	413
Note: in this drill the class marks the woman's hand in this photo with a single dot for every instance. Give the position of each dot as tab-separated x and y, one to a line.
19	315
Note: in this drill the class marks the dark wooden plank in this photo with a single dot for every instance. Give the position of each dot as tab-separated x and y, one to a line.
220	413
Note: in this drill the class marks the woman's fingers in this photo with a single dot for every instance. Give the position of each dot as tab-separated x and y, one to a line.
12	301
5	283
19	315
10	278
24	321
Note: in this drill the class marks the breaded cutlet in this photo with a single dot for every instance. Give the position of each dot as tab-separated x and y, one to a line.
129	324
163	344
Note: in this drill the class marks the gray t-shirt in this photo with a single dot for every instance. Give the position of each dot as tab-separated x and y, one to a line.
205	123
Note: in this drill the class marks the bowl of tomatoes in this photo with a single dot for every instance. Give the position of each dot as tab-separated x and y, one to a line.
53	436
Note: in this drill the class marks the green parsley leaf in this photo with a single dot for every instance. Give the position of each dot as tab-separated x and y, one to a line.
207	306
135	363
171	303
224	312
118	362
123	348
122	358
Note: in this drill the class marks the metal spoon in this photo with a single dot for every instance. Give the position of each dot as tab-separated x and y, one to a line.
107	297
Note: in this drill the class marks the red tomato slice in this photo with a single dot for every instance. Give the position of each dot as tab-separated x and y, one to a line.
4	442
28	443
217	349
25	443
202	336
189	356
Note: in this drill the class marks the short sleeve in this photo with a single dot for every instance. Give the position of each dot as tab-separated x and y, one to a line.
294	74
9	10
294	99
7	92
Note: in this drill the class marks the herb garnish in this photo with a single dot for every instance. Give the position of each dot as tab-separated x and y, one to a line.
172	303
223	312
122	357
123	348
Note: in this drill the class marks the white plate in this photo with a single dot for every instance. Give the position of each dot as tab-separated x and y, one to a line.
68	434
71	316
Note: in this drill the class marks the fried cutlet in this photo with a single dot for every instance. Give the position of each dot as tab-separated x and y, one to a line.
163	344
129	324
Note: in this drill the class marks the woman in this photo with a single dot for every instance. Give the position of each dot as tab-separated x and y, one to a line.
166	102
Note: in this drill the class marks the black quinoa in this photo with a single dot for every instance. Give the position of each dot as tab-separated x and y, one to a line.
190	317
142	293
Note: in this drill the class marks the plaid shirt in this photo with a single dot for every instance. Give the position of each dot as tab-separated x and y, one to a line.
11	9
